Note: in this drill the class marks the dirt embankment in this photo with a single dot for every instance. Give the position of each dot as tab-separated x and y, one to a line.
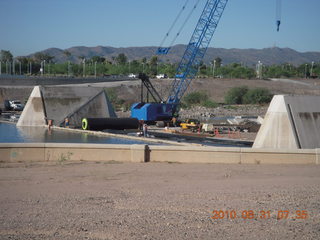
217	89
129	92
159	201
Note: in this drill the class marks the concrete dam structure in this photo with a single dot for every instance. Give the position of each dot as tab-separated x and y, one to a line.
59	103
291	122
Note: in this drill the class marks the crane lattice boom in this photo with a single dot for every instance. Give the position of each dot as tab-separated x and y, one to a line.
196	48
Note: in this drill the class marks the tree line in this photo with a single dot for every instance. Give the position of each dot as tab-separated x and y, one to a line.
45	65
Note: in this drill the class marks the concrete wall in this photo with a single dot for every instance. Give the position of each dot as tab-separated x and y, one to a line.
35	81
14	93
232	155
34	112
291	122
57	103
60	152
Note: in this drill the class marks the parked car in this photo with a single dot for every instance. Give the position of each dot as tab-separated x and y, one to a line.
131	75
160	76
17	105
14	105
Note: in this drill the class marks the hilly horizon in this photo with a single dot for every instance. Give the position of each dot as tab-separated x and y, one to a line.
248	57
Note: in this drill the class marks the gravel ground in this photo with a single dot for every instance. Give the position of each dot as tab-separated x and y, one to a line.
157	201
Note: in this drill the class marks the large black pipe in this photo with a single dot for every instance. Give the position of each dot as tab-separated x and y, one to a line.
99	124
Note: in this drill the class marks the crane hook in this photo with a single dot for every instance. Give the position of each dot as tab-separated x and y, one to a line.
278	25
278	14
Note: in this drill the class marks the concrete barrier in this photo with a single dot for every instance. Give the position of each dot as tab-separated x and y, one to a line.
318	156
278	156
60	152
26	152
291	122
195	154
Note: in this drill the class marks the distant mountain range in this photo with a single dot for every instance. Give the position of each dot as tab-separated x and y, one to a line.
249	57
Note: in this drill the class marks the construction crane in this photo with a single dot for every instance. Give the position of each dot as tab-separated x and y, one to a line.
187	69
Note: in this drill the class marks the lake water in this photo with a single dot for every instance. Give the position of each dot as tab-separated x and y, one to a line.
10	133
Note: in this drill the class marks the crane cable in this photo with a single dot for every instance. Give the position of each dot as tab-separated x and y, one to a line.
174	22
183	24
278	14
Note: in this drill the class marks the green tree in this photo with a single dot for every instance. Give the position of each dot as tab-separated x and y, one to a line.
67	53
235	95
144	64
6	56
257	96
198	98
218	61
98	59
40	56
121	59
153	65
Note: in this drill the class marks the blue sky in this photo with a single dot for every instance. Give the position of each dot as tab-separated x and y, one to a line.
28	26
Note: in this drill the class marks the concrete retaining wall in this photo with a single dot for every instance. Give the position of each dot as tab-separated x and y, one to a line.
58	152
233	155
14	80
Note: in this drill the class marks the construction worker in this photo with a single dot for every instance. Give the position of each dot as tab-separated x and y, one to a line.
145	130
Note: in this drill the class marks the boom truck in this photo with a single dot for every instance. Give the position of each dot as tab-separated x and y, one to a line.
165	110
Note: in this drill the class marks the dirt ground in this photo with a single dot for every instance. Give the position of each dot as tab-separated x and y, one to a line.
114	200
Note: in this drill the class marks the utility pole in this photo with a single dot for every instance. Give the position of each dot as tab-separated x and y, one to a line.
305	70
44	66
311	70
259	70
0	68
95	69
13	67
214	67
20	67
68	68
84	67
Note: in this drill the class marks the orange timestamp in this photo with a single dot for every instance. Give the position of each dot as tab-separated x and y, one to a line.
260	214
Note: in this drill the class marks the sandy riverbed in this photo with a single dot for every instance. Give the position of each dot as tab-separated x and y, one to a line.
158	201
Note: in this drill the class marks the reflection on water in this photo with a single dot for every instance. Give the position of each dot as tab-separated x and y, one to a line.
10	133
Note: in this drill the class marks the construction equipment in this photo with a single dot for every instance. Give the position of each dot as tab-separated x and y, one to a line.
99	124
187	69
192	124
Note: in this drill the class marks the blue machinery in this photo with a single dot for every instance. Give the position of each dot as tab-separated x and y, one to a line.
187	69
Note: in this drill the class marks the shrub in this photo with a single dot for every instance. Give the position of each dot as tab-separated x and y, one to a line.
198	98
257	96
235	95
209	104
195	98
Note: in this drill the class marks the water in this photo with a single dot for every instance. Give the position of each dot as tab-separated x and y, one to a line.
10	133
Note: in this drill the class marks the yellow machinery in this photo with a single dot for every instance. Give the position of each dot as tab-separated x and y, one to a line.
190	124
